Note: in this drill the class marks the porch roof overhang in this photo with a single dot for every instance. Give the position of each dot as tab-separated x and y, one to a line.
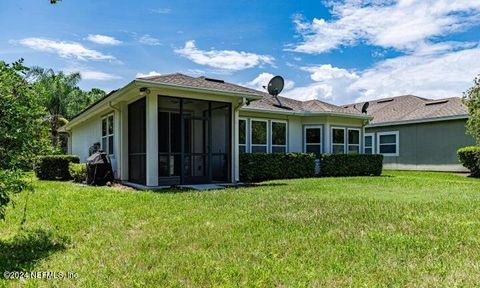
117	96
307	113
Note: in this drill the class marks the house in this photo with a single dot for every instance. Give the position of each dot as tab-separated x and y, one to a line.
415	133
176	129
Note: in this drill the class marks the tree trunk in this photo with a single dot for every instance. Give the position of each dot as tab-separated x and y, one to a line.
54	130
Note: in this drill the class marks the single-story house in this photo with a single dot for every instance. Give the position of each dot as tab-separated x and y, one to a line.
176	129
415	133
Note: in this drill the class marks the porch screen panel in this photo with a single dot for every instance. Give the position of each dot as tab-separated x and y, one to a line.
137	148
221	135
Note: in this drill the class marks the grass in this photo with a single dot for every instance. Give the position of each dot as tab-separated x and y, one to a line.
408	229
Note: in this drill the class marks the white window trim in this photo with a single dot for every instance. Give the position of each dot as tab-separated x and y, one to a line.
271	135
305	137
107	136
344	139
359	140
246	134
373	142
251	138
397	144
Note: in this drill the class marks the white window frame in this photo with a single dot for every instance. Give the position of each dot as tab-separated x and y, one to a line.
344	139
271	135
305	137
397	142
246	134
365	142
359	140
107	136
251	136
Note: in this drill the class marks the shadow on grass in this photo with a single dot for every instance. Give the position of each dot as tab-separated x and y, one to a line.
21	252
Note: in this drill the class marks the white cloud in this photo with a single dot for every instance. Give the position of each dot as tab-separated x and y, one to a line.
149	74
402	24
434	72
103	39
149	40
97	75
262	80
64	49
161	11
223	59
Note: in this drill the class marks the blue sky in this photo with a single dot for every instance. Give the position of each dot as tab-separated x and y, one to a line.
336	51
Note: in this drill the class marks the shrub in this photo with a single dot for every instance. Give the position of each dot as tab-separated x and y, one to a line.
255	167
333	165
54	167
78	172
470	158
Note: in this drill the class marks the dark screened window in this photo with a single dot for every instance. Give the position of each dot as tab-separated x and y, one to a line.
279	137
338	140
259	136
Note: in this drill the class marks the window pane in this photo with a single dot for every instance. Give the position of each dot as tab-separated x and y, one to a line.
242	125
390	148
279	149
110	145
259	132
279	133
242	148
110	125
314	149
338	149
104	127
163	167
338	136
313	135
104	144
368	141
353	149
259	149
163	133
353	137
390	139
368	151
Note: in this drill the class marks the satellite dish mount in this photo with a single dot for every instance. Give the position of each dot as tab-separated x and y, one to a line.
275	86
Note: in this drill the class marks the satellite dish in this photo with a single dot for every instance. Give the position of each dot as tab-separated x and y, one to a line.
275	86
365	107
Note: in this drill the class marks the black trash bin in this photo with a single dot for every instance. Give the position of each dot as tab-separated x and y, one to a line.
99	169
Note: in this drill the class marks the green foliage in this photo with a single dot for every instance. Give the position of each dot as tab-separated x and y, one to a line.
22	129
333	165
470	158
471	98
78	172
55	167
255	167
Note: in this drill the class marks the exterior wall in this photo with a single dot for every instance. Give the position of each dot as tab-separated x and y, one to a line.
84	135
427	146
296	127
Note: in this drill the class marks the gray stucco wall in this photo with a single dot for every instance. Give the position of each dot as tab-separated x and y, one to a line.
427	146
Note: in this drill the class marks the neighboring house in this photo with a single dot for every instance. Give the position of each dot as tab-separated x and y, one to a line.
415	133
176	129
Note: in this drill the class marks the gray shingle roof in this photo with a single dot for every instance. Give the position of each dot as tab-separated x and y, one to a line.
410	107
266	103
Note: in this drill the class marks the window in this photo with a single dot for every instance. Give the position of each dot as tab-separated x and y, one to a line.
107	134
353	141
388	143
258	136
368	144
242	135
313	140
279	137
338	140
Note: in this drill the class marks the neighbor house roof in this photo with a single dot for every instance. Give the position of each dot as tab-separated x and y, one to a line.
410	108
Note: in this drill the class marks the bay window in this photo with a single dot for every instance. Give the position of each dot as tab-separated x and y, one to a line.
313	140
258	136
338	140
279	137
353	141
242	135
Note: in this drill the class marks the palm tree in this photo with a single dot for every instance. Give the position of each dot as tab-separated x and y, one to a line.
56	90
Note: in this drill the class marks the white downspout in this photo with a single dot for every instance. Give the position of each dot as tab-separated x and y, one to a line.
236	152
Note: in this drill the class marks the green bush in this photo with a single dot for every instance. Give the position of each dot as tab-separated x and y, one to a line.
470	158
255	167
78	172
54	167
334	165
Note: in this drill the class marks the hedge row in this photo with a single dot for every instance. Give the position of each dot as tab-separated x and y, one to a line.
256	167
54	167
334	165
470	158
78	172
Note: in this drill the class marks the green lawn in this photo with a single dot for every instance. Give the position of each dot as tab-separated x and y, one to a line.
400	229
